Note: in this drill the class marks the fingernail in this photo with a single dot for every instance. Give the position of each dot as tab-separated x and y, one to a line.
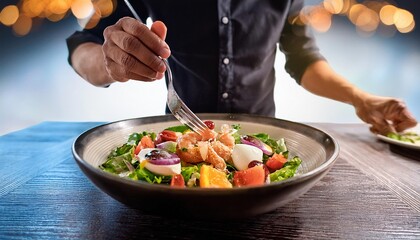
165	52
159	75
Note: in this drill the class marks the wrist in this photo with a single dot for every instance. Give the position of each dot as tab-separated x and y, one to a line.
88	62
358	97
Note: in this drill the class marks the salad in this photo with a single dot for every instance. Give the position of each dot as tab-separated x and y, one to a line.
179	157
408	137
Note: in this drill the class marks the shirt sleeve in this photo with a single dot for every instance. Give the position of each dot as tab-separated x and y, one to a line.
298	44
95	34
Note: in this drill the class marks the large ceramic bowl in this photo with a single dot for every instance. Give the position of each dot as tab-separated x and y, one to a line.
317	149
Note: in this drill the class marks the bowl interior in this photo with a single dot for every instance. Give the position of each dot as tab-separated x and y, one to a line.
313	146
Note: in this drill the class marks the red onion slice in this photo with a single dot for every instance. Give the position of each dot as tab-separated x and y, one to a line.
253	141
165	161
158	156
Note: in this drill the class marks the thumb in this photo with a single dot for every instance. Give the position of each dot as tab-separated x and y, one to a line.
159	29
382	126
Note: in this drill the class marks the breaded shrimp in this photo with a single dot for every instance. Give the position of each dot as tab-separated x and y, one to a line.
187	148
214	148
222	150
214	159
208	135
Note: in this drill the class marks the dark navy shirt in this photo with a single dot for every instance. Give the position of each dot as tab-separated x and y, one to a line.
223	51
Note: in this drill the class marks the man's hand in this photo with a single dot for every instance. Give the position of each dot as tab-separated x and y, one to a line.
384	114
132	50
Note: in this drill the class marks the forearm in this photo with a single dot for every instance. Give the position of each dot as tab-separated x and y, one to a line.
384	114
320	79
88	61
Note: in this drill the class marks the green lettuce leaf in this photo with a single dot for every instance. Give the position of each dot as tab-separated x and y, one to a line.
135	138
124	149
116	164
179	128
143	174
287	171
191	175
278	146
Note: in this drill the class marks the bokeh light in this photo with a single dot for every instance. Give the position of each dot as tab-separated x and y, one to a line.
106	7
56	17
407	29
367	16
9	15
82	8
87	12
320	19
334	6
59	7
92	21
22	26
33	8
387	14
403	18
364	18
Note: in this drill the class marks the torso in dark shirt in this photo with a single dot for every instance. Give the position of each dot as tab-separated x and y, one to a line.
223	52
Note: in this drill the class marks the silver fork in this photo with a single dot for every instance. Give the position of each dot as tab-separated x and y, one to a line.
179	109
175	103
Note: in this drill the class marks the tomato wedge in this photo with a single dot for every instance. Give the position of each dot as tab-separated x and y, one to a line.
177	181
145	142
253	176
275	162
167	135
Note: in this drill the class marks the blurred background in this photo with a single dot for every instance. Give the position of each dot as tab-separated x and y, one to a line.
374	44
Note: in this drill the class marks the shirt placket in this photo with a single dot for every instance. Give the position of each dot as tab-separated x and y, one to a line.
225	93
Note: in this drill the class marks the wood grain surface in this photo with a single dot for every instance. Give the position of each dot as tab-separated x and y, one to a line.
372	192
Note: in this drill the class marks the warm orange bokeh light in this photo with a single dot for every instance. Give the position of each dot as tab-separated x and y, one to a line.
9	15
368	16
403	18
106	7
355	11
334	6
320	19
33	8
92	21
387	14
368	21
56	17
87	12
346	6
59	7
22	26
303	17
82	9
408	28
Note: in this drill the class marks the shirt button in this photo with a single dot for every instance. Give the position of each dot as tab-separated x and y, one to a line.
225	20
225	95
226	61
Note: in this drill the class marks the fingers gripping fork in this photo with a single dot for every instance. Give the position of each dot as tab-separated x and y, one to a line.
175	104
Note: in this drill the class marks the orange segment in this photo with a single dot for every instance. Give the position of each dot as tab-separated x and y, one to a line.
210	177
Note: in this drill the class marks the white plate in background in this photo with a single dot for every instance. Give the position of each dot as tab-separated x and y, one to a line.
401	143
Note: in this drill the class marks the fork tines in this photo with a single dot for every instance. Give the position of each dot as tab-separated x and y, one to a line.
195	123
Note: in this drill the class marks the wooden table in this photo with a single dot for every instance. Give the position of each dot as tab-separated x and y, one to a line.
372	192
